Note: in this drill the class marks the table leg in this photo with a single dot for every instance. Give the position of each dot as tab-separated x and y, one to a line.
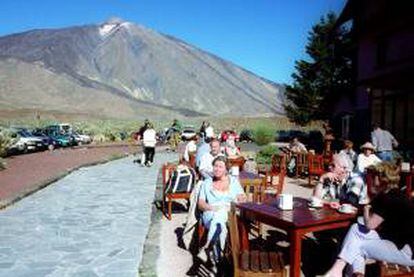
244	234
295	253
408	183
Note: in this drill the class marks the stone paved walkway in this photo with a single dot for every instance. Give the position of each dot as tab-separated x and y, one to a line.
93	222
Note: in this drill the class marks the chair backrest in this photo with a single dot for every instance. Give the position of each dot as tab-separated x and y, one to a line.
278	163
239	161
315	163
192	159
254	190
167	170
181	180
302	159
234	237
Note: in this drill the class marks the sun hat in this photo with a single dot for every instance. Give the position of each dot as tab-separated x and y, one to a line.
368	145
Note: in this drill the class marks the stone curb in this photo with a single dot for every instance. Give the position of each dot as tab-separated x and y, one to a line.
151	252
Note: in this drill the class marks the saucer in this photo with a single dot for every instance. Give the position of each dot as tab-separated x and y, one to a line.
310	205
352	211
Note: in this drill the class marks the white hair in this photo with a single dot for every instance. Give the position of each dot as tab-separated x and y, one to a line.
343	160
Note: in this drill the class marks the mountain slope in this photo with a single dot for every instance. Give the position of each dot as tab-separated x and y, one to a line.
142	67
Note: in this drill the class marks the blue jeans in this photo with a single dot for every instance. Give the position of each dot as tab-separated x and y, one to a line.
361	244
385	156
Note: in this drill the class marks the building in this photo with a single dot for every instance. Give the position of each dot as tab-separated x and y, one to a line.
383	35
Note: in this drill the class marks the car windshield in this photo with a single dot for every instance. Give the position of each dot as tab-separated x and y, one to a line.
24	133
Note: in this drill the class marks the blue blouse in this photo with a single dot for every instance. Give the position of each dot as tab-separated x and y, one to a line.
212	196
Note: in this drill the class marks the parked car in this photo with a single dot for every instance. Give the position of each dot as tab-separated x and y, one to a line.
83	139
287	136
188	133
48	141
26	142
246	135
62	139
226	133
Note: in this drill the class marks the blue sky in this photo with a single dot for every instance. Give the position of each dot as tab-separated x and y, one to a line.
263	36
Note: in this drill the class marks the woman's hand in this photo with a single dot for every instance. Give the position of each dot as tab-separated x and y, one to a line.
334	205
241	198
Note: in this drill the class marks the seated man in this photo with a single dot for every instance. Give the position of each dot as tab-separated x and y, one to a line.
205	167
203	147
339	184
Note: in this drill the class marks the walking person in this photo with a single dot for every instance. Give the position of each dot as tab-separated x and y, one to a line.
384	142
139	137
149	141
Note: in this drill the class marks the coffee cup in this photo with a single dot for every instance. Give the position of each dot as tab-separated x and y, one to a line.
286	201
405	167
346	208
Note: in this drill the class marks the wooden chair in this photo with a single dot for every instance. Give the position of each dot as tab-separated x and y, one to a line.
254	189
239	161
167	198
301	163
315	166
252	263
277	169
387	269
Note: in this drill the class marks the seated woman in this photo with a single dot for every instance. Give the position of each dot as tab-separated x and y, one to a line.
366	158
338	184
230	149
214	200
386	232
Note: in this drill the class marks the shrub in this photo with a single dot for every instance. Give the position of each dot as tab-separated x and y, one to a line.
265	154
263	134
6	140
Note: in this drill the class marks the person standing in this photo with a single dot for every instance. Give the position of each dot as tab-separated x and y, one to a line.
209	131
149	140
175	138
384	142
139	136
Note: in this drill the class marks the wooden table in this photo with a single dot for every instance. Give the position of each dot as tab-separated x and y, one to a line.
297	222
408	176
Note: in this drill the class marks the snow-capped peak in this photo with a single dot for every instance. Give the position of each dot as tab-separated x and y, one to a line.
111	25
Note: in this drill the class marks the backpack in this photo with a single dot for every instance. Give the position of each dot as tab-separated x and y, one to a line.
182	180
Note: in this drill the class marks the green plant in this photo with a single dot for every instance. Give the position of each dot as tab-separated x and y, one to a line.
264	156
6	140
263	134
